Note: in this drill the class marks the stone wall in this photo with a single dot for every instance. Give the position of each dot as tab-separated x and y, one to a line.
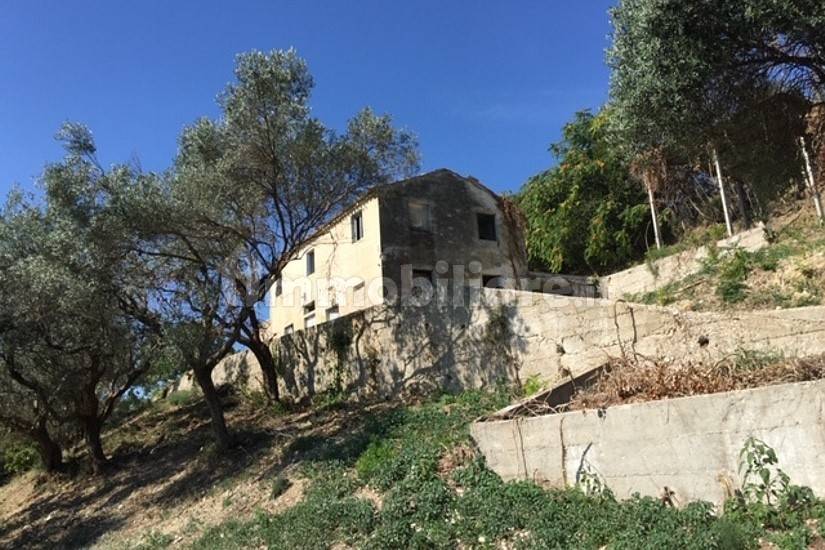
647	278
688	445
484	336
389	350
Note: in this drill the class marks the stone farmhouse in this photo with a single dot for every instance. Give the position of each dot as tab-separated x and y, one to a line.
401	241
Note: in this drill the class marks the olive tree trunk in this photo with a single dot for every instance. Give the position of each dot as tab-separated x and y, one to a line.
266	363
94	447
50	452
223	439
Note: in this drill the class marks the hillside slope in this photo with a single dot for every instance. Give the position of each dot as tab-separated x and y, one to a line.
377	476
789	272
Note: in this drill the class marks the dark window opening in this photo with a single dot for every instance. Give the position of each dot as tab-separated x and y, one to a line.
486	227
310	307
422	282
422	274
492	281
310	262
333	313
357	222
420	218
279	287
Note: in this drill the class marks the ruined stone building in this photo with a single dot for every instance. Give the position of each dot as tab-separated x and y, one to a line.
400	240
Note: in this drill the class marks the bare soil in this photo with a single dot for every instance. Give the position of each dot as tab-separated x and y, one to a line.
165	480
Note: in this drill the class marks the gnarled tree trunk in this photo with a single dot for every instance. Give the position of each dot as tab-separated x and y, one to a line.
51	455
742	204
213	401
266	362
87	415
91	435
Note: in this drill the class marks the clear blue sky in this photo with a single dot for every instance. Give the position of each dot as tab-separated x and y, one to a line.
485	85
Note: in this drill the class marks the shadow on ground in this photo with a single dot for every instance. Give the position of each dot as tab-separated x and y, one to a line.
167	460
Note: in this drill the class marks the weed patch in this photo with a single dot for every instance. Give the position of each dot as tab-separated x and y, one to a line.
402	455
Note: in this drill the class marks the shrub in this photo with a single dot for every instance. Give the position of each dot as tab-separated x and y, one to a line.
732	275
182	398
279	485
18	458
375	459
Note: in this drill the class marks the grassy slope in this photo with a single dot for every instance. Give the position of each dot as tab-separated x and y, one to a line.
790	272
379	477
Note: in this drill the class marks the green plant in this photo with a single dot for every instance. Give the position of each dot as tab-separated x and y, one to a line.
340	340
153	540
732	275
375	459
587	214
751	360
18	458
182	398
330	399
436	493
532	385
279	485
592	484
762	479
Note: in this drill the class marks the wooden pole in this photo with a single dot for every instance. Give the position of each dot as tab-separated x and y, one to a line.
810	180
722	192
654	216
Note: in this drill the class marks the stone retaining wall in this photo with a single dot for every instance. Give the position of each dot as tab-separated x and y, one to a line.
489	336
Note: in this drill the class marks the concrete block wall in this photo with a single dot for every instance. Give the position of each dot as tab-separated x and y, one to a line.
645	278
690	445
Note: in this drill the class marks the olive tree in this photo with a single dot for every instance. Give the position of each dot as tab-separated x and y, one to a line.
72	334
267	175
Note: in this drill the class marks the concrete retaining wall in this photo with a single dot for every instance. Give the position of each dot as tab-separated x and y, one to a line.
689	445
645	278
504	335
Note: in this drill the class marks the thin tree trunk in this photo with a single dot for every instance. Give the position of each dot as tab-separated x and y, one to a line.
51	455
721	183
742	204
94	447
266	362
213	401
810	180
655	217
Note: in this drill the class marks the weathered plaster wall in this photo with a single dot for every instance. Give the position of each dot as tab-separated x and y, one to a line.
647	278
335	254
689	445
453	240
348	274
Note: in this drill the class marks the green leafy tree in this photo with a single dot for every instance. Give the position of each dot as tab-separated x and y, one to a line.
587	214
721	74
